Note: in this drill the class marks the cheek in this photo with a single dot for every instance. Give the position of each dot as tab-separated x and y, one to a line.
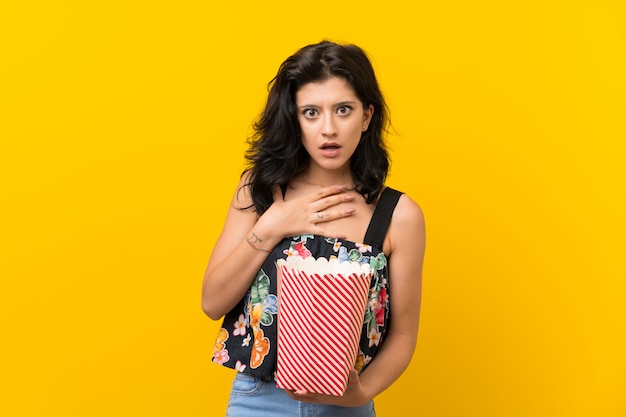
306	133
357	130
307	138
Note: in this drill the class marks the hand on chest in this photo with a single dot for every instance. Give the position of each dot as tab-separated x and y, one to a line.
353	226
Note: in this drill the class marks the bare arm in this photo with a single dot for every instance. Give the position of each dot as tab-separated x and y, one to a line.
407	240
227	278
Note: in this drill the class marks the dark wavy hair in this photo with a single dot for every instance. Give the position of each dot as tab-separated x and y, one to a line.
276	154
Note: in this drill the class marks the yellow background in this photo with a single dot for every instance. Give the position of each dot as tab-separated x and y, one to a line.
122	127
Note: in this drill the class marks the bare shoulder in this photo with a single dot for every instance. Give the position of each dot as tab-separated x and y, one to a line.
407	225
408	210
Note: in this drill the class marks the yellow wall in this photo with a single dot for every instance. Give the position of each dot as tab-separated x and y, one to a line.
122	127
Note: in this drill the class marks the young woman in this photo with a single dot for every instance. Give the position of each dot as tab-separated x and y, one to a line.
315	187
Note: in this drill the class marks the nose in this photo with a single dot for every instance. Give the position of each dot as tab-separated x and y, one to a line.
329	129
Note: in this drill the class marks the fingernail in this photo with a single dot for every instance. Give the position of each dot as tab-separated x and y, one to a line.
350	211
341	187
349	197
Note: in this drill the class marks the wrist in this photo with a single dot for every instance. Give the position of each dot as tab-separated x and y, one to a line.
264	234
255	242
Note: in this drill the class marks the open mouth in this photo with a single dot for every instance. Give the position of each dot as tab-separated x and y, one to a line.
330	147
330	150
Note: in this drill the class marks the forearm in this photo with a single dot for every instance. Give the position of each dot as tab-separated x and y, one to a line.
227	281
390	362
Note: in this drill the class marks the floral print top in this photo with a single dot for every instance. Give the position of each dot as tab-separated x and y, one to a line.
247	339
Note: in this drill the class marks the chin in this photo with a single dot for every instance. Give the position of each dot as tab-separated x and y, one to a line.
334	165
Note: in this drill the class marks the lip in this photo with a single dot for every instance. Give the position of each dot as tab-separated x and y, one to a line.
330	149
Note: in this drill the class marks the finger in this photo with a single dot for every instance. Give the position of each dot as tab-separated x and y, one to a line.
300	395
305	396
291	394
325	216
331	201
328	191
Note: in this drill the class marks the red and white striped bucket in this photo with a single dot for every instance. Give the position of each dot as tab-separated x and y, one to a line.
321	305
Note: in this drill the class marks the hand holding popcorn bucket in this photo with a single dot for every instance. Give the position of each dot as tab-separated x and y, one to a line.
321	305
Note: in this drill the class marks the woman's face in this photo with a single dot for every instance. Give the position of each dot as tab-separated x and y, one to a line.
332	119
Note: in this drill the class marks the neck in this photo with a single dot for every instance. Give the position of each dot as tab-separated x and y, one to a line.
327	178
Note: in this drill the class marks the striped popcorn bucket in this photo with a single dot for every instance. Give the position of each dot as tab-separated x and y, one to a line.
321	305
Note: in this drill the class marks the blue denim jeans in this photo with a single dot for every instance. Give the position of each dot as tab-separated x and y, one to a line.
253	397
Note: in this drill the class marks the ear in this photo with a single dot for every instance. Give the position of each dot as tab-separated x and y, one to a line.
368	112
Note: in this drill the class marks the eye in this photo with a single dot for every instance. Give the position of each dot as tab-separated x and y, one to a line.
309	113
344	110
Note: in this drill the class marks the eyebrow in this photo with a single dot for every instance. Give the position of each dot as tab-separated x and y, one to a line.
341	103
